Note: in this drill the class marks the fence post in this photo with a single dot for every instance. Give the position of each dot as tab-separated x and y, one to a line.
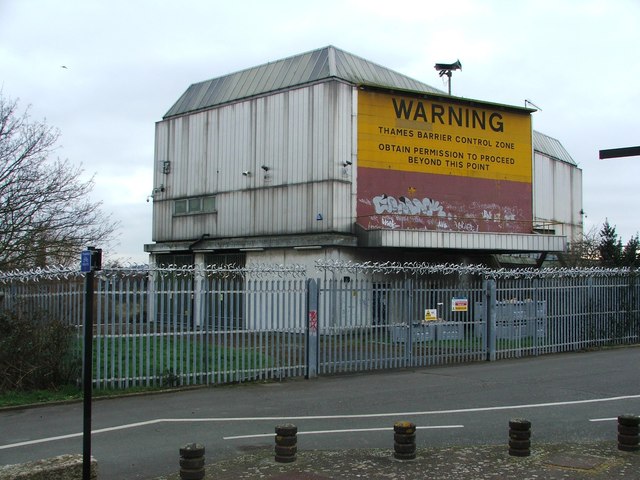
491	319
535	319
198	291
312	328
408	345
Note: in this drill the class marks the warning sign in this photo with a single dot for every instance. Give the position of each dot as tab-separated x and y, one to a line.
430	315
459	304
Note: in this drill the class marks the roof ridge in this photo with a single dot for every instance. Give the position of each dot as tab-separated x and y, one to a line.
551	147
292	71
265	64
331	56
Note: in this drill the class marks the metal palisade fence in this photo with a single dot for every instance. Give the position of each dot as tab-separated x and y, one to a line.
188	326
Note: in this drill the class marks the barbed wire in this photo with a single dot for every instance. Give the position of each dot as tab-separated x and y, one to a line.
413	268
261	270
224	271
40	273
560	272
420	269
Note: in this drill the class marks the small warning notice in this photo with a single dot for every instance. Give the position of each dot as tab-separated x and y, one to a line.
430	315
459	304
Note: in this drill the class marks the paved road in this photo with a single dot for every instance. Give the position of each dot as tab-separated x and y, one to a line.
138	437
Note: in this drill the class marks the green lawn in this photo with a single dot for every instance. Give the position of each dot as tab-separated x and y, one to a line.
167	359
120	362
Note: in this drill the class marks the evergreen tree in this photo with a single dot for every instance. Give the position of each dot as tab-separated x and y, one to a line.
610	247
630	253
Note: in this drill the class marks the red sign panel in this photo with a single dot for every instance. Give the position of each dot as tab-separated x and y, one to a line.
392	199
313	321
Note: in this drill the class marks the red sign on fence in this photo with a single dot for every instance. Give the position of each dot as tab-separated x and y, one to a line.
313	321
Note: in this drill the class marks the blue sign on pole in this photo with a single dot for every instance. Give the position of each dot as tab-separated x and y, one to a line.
85	261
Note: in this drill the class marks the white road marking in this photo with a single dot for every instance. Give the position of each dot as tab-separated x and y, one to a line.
603	419
40	440
321	417
74	435
346	430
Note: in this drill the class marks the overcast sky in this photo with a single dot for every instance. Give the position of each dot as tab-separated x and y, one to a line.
128	61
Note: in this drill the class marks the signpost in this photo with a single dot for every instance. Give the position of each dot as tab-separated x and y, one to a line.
90	260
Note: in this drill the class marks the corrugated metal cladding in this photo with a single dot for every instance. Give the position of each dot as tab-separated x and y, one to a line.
461	241
551	147
557	196
314	66
291	146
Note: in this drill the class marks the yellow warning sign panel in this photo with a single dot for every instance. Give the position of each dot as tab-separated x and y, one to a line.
430	315
438	136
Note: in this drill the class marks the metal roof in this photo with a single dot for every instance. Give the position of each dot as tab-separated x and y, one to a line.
322	64
325	63
551	147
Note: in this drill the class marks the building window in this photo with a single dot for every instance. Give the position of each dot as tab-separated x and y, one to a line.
180	207
194	205
209	204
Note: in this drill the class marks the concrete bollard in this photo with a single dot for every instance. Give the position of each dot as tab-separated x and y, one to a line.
519	437
192	462
286	443
404	440
628	428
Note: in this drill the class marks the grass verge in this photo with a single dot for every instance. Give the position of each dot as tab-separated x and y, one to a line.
65	394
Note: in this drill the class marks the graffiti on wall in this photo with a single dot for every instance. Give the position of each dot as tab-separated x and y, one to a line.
427	213
407	206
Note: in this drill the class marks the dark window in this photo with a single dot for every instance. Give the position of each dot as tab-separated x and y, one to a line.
194	205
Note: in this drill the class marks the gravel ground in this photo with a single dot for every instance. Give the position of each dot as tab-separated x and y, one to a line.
592	461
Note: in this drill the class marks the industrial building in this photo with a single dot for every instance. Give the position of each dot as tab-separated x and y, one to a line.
326	155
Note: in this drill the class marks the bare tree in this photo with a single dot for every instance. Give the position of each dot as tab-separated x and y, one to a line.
46	216
584	251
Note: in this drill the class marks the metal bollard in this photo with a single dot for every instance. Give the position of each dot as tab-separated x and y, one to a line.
519	437
628	428
192	462
404	440
286	443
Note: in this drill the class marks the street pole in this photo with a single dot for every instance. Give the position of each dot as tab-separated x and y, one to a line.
91	260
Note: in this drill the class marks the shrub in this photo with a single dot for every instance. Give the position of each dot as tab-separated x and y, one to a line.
36	352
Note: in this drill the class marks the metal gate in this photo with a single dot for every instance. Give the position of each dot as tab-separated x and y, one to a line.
365	324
